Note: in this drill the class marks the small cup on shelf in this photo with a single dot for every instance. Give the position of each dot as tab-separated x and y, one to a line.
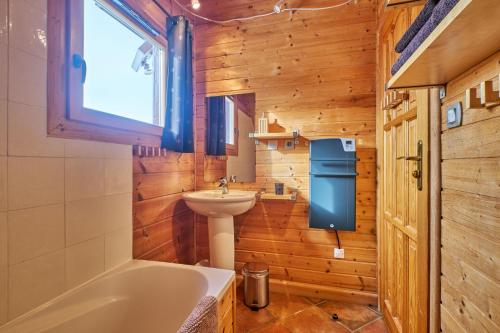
279	188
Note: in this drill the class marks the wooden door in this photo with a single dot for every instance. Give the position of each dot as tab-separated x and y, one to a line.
404	222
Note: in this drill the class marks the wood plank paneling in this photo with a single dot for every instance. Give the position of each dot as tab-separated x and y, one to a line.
163	224
470	282
310	71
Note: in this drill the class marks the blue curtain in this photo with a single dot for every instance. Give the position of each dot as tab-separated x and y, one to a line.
178	130
215	141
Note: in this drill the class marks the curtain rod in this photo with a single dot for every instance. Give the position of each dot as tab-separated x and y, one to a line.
161	8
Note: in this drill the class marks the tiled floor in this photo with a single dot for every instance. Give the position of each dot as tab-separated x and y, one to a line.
296	314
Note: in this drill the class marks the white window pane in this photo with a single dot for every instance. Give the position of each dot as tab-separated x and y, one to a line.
112	85
229	121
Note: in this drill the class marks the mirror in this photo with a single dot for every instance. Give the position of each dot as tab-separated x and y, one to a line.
229	150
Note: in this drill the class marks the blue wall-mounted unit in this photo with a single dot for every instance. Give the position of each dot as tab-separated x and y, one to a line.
332	185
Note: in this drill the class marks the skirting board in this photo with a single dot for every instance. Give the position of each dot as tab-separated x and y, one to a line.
317	291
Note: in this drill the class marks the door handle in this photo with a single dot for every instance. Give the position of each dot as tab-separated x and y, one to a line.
79	62
418	173
409	158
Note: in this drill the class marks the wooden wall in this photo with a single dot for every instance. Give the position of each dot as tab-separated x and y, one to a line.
163	225
314	72
470	236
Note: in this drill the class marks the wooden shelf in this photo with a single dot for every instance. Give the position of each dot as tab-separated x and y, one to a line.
466	36
274	136
271	196
394	3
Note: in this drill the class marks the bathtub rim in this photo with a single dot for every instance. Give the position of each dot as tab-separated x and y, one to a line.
216	289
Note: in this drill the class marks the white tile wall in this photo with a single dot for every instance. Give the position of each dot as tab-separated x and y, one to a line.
3	160
116	180
36	281
84	178
84	220
27	73
3	240
35	231
4	65
28	27
34	181
65	205
84	261
29	138
118	247
3	183
3	124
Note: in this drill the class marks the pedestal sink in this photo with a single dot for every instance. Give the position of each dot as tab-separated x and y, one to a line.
220	209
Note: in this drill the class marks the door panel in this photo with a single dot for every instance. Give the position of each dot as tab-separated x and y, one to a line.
404	246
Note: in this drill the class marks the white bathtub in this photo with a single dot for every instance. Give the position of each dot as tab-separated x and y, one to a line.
139	296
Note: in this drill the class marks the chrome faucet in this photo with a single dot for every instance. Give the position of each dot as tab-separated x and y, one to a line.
223	184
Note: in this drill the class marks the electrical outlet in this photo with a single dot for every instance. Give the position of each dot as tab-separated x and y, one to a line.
289	144
338	253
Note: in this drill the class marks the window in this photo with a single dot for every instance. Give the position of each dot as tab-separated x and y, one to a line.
107	71
231	126
125	67
229	108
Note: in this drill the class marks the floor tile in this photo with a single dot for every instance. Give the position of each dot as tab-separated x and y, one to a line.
275	327
247	320
315	300
351	315
284	305
377	326
313	320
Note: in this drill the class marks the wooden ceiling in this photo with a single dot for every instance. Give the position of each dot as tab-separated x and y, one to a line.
224	9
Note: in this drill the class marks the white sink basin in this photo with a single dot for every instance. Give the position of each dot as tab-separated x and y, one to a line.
220	209
216	204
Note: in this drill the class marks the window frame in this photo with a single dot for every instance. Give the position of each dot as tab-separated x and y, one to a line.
232	149
66	115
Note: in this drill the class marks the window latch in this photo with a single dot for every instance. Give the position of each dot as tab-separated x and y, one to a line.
79	62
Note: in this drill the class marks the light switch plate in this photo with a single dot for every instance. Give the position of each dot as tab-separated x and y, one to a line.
338	253
454	115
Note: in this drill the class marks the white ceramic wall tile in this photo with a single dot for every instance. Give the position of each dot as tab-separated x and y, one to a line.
3	295
118	176
27	78
4	19
35	281
4	72
35	181
3	183
28	27
117	211
84	220
84	261
28	132
83	148
3	241
84	178
3	127
35	231
118	247
116	151
39	4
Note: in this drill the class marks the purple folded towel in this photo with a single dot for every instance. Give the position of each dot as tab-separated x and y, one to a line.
203	318
415	27
440	11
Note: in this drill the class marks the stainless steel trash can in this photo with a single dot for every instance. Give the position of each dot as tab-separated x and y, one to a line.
256	284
